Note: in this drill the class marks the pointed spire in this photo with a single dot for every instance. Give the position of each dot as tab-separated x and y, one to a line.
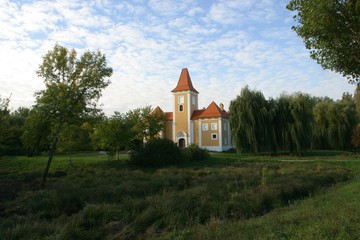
184	83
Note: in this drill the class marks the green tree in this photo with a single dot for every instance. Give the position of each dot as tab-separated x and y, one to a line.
355	138
249	121
322	112
73	87
35	132
299	126
113	133
4	124
15	129
146	124
330	30
342	118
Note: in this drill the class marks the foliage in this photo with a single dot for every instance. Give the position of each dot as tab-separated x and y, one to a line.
4	115
355	138
112	133
155	153
146	124
295	122
36	131
329	29
284	122
248	115
100	199
194	153
73	87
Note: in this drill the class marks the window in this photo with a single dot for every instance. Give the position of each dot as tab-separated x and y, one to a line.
214	136
225	126
193	100
204	126
225	141
181	99
214	126
181	108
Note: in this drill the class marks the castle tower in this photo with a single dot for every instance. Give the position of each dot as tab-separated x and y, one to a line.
185	103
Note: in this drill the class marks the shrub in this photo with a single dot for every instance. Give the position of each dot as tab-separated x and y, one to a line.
195	153
156	153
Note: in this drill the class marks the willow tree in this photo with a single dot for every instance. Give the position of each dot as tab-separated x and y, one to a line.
322	111
73	87
249	120
294	122
342	121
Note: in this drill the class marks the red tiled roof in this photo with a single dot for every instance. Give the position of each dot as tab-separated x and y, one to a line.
169	116
197	114
157	110
184	82
213	110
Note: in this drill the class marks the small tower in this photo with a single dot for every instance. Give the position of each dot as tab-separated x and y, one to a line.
185	103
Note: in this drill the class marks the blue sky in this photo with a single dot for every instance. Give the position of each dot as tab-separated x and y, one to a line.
225	44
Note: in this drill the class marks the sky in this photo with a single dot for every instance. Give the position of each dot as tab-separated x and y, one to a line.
225	45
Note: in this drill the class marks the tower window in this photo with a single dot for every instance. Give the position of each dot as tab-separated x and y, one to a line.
214	136
213	126
181	108
193	100
181	99
204	126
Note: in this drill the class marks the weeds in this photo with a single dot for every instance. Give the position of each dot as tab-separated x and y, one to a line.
108	199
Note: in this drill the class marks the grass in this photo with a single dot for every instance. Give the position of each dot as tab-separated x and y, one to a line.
229	196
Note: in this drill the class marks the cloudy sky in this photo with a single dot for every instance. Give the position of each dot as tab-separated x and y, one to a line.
225	44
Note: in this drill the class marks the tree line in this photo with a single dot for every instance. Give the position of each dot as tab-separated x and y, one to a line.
26	131
293	122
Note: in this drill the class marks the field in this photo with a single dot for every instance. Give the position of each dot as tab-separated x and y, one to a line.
229	196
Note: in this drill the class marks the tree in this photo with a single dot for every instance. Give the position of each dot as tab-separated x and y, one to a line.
35	132
146	124
355	138
73	87
330	30
113	133
248	120
4	124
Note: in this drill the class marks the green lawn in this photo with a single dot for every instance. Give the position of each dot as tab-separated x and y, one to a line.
229	196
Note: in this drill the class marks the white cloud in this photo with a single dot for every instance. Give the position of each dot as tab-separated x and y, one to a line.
224	44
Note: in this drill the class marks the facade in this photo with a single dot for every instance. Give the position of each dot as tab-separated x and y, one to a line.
187	124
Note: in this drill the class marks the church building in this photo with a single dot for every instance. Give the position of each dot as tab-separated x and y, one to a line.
187	124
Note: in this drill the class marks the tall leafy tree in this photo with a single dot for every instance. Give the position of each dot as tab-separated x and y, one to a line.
322	116
146	124
35	132
4	124
299	126
248	120
73	86
113	133
330	30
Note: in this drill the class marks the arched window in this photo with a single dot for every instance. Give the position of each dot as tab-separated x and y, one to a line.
181	108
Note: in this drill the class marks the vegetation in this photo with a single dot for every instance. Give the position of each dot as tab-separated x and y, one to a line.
296	122
329	29
225	196
157	152
73	87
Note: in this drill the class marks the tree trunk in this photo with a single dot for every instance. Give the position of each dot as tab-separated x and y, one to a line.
51	154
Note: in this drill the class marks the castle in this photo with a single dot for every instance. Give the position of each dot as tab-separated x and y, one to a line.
187	124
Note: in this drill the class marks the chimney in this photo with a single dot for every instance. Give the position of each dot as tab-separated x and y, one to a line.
222	107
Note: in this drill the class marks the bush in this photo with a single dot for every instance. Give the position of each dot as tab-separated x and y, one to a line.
156	153
194	153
